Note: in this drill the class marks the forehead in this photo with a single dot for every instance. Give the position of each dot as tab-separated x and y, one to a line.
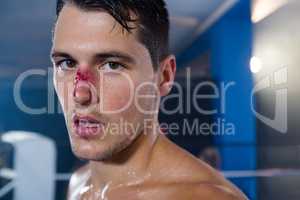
94	31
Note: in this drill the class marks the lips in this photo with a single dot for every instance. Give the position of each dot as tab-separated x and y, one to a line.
87	127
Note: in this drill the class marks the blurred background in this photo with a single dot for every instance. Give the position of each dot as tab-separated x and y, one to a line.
247	49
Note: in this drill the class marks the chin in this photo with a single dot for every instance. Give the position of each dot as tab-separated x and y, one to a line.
92	155
98	151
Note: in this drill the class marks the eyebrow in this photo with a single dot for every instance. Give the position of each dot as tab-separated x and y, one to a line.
99	56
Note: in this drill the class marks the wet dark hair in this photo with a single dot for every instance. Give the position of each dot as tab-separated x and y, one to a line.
151	18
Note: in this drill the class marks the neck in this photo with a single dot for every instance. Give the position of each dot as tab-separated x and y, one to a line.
129	166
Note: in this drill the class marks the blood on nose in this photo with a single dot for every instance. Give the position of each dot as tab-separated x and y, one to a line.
82	92
82	76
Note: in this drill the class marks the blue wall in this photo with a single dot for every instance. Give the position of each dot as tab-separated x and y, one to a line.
230	43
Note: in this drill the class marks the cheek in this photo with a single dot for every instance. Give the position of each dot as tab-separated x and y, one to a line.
147	97
117	94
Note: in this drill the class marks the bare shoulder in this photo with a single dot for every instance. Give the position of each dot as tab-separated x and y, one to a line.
190	191
207	191
216	192
208	183
205	182
77	181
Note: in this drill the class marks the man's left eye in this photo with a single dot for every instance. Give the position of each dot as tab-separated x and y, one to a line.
111	66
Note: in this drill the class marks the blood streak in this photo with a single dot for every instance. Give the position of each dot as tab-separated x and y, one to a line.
83	76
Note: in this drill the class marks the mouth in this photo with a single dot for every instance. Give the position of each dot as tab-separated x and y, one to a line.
87	127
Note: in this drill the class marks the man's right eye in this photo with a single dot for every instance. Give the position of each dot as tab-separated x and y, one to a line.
66	65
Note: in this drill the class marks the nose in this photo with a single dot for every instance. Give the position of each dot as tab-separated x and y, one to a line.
84	91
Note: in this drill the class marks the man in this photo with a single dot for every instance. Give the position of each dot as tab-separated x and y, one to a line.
111	66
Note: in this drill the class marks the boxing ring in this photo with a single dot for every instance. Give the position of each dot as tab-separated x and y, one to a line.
37	181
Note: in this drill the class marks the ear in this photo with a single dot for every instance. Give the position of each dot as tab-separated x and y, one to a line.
167	72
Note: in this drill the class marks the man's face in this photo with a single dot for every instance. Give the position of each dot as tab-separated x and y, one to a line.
100	71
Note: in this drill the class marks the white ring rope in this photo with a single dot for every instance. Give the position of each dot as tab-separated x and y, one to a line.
261	173
7	173
6	189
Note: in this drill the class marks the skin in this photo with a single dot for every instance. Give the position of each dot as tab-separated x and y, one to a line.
140	163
